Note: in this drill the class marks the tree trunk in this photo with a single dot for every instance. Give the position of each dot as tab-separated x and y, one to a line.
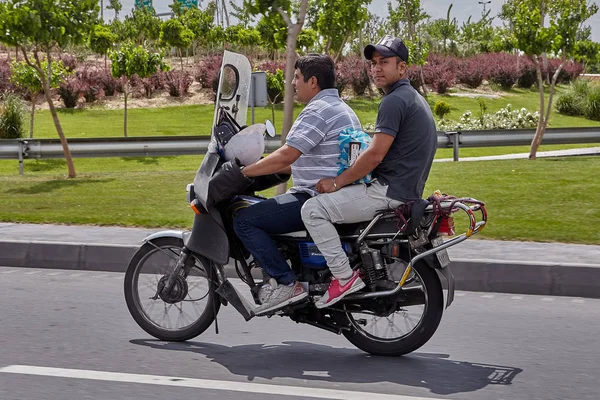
539	132
46	85
339	52
180	58
288	106
126	87
33	99
425	91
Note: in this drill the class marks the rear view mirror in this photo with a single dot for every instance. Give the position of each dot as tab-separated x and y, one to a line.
270	128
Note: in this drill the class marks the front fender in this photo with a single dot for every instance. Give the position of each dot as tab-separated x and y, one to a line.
170	233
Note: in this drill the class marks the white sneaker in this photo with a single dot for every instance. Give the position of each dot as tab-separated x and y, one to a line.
282	296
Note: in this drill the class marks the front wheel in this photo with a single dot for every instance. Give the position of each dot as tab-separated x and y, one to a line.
192	304
401	330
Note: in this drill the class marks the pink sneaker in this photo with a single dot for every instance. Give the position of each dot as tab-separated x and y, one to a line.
336	291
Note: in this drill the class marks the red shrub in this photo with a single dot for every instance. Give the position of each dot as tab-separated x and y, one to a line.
69	61
5	74
352	70
503	70
271	66
527	73
207	72
414	76
471	72
178	82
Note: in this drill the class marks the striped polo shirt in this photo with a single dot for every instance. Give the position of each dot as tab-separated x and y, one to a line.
315	133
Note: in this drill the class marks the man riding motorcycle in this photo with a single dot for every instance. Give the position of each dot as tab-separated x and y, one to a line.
400	157
312	151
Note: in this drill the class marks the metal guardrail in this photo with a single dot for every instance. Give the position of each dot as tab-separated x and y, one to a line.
24	149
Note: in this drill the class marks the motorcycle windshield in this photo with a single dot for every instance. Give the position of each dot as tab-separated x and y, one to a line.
233	93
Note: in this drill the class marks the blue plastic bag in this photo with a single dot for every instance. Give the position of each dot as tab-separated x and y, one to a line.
352	142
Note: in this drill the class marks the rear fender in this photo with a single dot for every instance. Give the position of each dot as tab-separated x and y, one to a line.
447	273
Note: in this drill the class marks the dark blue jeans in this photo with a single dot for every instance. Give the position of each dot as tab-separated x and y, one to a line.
280	214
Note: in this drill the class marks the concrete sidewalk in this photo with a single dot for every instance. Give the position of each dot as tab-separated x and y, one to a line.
478	265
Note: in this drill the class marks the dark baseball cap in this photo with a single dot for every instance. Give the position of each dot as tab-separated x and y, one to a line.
388	46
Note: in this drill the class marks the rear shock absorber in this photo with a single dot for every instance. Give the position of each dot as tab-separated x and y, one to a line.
373	265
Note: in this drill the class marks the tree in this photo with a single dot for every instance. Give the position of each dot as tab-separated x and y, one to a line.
444	29
407	21
284	8
307	40
336	21
116	6
133	60
142	27
37	27
27	78
173	33
200	23
273	32
534	39
101	40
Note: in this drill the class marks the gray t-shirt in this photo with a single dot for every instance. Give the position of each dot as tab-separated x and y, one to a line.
315	133
404	114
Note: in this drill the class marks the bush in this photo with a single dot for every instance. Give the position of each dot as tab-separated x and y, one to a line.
592	104
5	75
527	74
505	118
573	101
505	72
414	76
12	117
70	91
441	108
443	81
69	61
352	72
178	82
569	104
570	72
110	85
439	72
471	72
207	72
275	86
154	83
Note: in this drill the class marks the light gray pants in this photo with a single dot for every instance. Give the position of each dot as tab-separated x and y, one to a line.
351	204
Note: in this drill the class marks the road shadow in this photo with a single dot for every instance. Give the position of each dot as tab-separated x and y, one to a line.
301	360
56	184
44	165
145	160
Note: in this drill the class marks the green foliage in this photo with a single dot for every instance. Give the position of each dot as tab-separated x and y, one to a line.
174	33
12	117
307	40
46	23
335	21
26	77
101	39
200	22
273	32
275	86
444	29
441	108
141	27
116	6
241	36
592	104
131	60
569	104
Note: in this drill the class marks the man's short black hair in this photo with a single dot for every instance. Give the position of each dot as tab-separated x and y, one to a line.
318	65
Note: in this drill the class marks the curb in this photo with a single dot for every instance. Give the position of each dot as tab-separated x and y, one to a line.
537	278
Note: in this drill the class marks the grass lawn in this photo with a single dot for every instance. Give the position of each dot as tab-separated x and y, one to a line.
197	119
545	200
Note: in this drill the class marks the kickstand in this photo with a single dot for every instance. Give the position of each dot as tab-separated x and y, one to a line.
215	312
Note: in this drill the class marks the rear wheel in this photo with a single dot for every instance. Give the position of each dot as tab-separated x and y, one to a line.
192	304
402	329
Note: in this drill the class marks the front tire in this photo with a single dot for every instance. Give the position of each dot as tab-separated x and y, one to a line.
151	263
418	336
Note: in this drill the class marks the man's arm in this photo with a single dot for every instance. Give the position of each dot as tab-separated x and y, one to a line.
365	163
279	160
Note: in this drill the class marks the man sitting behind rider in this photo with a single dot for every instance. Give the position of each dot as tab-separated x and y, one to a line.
312	151
400	157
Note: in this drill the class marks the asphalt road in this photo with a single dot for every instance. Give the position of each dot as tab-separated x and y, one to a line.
64	335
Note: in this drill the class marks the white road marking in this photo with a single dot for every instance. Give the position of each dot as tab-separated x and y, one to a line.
460	294
10	272
579	301
98	276
231	386
547	299
517	297
320	374
488	296
77	274
33	272
54	273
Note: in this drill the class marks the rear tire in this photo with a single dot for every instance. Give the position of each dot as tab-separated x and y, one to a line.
423	331
203	268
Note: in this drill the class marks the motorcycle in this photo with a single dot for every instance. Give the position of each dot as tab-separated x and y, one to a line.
176	282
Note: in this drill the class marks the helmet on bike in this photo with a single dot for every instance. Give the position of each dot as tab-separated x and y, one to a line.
248	145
